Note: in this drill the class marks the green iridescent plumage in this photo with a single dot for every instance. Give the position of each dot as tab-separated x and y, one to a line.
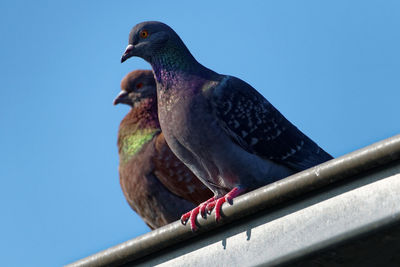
132	143
155	183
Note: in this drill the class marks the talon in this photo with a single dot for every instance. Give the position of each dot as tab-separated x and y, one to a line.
185	217
229	200
218	207
210	206
203	207
203	210
193	215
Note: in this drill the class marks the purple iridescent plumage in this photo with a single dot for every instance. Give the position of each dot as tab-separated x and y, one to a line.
227	133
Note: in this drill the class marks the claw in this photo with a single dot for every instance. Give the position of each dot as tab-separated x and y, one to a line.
207	207
227	198
185	217
191	215
218	206
203	207
210	206
203	210
233	193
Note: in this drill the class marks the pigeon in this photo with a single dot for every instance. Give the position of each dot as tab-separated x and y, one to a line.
226	132
155	183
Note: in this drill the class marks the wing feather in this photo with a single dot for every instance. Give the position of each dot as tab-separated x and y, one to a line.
258	127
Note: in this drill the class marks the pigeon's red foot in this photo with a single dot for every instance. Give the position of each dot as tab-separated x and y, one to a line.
191	215
217	203
208	206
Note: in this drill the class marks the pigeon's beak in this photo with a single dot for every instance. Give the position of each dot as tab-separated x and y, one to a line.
122	97
128	53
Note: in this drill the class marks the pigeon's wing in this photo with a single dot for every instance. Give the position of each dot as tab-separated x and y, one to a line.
257	126
176	176
154	203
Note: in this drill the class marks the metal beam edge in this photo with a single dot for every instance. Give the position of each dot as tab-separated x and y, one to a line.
349	165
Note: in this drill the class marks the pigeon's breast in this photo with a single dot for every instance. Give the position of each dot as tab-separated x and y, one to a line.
183	118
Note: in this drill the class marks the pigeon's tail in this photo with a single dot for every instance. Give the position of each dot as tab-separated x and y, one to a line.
309	158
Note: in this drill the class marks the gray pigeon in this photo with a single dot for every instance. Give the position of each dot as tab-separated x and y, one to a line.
226	132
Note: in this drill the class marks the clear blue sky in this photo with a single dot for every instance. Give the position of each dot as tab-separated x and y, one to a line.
333	69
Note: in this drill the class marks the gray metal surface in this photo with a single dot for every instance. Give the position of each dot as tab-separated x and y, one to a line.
299	229
377	248
288	222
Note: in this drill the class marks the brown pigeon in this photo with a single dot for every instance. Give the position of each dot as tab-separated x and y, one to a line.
155	183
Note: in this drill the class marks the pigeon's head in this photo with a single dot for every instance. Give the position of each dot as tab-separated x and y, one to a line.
146	39
135	87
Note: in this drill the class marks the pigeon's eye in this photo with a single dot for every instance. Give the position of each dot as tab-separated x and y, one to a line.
144	34
139	85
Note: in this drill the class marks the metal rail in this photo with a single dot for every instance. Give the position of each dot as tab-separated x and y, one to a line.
326	175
